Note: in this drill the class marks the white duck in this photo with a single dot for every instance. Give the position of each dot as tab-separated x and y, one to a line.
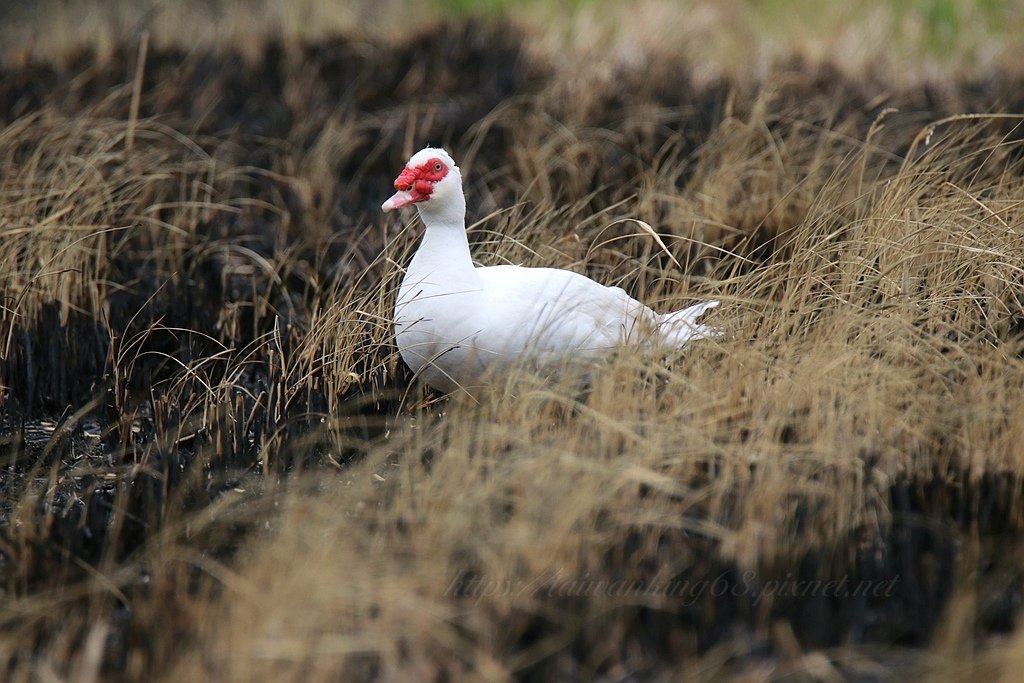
454	320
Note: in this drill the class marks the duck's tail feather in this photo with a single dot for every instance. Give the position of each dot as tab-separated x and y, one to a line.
679	327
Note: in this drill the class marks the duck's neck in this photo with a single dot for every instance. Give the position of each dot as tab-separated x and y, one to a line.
445	246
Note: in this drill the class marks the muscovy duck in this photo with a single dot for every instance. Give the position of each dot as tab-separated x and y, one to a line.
454	320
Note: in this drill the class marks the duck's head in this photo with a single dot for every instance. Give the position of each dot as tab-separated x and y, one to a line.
431	180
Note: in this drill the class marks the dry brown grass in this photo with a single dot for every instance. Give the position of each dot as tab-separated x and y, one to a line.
876	346
216	467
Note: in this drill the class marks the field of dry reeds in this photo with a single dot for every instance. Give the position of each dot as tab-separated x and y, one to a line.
214	465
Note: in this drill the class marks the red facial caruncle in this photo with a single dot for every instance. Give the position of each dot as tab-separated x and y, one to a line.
416	183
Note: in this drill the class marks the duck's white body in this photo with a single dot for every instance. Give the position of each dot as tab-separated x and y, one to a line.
455	321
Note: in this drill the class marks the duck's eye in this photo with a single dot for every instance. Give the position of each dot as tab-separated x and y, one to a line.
437	166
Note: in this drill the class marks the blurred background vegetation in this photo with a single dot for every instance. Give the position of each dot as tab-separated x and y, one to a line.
965	36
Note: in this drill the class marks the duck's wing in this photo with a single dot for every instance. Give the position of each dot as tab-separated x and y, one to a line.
547	310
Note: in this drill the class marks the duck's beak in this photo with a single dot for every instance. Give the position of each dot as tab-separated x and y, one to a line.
407	193
398	200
